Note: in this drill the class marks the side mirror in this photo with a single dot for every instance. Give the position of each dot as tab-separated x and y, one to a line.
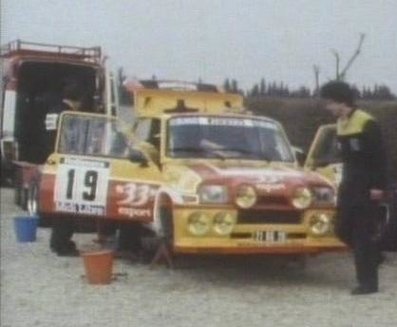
137	156
300	155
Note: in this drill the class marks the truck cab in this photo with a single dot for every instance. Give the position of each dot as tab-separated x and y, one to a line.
33	77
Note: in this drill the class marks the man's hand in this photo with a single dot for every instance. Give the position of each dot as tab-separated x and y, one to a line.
376	194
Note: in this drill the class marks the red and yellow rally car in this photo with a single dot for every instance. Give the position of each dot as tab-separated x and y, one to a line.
231	183
203	175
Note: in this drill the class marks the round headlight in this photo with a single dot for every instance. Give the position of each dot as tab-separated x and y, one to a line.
302	198
224	223
198	224
245	196
320	224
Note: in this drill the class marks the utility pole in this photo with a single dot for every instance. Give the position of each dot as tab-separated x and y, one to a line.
316	70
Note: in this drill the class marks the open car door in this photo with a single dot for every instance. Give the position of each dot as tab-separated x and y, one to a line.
323	158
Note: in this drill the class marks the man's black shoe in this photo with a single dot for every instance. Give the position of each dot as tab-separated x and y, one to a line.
364	290
381	258
67	253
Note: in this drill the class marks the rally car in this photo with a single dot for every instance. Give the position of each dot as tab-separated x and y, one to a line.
231	182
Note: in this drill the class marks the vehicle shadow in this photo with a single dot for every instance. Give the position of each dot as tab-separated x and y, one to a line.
329	271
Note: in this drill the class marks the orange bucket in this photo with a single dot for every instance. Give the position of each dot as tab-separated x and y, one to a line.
98	266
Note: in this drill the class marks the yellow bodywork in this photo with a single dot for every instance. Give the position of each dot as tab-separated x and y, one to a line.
178	176
154	103
323	155
251	238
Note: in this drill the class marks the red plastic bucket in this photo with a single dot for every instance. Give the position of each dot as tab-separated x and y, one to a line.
98	266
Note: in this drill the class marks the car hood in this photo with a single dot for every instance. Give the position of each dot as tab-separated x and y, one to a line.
268	177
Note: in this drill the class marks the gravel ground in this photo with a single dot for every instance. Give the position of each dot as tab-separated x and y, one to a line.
40	289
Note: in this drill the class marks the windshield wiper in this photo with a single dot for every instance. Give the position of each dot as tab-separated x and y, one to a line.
256	155
215	152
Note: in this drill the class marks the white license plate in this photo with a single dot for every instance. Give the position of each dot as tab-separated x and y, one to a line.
269	236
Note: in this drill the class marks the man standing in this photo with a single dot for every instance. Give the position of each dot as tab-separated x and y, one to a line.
62	228
363	181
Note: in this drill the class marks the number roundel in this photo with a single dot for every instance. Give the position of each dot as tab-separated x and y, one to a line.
82	185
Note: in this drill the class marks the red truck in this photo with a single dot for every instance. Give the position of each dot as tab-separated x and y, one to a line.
33	75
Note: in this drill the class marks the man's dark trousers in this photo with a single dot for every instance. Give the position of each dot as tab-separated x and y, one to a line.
356	226
62	232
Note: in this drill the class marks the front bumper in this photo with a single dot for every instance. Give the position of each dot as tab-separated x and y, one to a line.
253	238
227	246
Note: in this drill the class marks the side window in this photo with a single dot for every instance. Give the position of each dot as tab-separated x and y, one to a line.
148	130
72	135
327	149
142	129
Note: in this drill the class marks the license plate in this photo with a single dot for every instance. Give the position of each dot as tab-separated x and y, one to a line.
269	236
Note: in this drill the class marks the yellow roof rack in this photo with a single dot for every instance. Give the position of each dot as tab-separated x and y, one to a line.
155	98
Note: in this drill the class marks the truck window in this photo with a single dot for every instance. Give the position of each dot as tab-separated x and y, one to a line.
39	89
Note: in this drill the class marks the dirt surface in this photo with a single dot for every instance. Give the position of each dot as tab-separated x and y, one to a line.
40	289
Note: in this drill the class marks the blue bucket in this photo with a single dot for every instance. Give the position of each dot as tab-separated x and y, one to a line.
26	228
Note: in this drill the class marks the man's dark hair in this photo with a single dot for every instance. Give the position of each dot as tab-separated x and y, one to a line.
338	91
72	91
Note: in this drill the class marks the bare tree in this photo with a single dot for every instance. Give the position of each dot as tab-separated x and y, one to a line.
337	62
340	76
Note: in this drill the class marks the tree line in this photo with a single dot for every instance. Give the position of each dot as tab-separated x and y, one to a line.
274	89
282	90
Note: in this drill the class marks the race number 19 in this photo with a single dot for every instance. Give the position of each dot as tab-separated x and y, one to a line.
90	182
85	185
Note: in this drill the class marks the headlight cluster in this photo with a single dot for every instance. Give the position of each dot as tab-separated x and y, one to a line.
213	194
320	224
324	195
302	198
245	196
200	223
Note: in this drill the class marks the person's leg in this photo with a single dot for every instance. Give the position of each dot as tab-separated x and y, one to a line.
344	226
130	238
61	234
366	251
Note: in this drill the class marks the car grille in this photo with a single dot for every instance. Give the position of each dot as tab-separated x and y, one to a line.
269	217
267	200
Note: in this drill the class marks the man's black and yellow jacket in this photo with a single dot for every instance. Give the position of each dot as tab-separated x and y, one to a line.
363	155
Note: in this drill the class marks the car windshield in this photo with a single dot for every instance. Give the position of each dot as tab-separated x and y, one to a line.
91	136
227	137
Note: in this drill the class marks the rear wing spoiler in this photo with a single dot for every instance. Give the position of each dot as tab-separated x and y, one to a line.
150	102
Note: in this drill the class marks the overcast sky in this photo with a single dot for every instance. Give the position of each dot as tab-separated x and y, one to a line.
279	40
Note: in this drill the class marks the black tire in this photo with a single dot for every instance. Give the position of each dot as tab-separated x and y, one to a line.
18	190
167	225
24	198
151	241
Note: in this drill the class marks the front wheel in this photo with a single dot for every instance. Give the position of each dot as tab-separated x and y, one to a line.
167	225
158	247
